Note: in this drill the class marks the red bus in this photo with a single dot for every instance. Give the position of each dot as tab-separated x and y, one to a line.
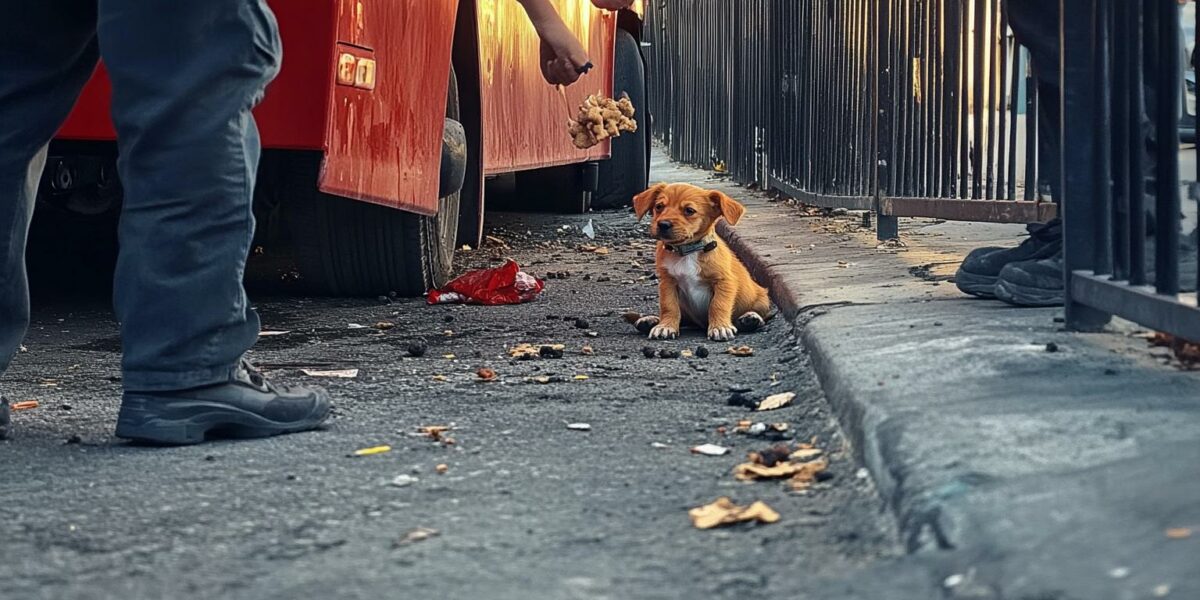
383	124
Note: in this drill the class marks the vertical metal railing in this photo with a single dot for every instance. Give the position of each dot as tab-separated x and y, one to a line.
1121	110
908	107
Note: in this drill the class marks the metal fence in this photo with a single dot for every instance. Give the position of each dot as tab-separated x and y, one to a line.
907	107
1122	81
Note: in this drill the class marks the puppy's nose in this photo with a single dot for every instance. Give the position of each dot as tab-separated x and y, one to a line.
664	227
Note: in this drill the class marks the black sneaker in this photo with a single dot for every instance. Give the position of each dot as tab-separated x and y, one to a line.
1032	282
980	269
247	406
5	419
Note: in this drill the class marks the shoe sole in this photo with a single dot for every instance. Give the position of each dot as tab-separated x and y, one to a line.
177	422
1019	295
983	286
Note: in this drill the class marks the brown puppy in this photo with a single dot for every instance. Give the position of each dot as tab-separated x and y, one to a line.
699	278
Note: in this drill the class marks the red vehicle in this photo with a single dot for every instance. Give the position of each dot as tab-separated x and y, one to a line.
383	124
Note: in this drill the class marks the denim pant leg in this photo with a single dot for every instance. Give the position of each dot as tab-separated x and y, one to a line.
47	53
185	76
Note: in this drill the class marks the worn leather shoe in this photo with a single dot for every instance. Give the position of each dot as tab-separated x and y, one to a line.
246	406
1032	282
981	268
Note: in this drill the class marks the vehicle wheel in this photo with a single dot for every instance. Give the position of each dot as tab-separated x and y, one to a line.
627	173
345	247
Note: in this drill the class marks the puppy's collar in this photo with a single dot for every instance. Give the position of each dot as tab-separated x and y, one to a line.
704	245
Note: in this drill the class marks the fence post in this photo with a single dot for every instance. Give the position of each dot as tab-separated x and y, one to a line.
886	227
1077	147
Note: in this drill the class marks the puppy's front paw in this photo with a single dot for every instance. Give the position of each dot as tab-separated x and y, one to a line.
751	322
664	332
646	323
722	333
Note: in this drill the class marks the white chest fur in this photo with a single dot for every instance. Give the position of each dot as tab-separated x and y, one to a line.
695	294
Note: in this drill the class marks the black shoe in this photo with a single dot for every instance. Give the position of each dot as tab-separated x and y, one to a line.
980	269
247	406
1032	282
5	419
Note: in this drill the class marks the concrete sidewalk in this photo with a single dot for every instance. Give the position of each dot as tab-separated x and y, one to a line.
1021	461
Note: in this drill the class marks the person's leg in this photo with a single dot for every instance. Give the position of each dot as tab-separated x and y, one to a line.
47	53
185	77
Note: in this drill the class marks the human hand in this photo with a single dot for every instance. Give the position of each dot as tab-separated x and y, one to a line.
563	59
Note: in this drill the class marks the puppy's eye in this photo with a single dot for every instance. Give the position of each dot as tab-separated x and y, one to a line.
659	207
689	211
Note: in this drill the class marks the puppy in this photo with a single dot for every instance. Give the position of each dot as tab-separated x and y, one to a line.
699	278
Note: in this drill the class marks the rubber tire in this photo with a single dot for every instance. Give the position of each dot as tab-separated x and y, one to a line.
345	247
627	173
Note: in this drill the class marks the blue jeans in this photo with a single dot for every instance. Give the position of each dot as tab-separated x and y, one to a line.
185	75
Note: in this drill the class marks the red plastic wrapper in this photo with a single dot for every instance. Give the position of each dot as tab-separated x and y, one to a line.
506	284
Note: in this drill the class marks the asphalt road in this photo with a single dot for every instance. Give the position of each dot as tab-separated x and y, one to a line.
527	508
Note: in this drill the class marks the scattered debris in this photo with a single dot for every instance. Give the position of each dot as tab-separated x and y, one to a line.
776	401
806	454
440	378
582	324
373	450
581	377
1051	347
701	352
339	373
710	450
486	374
771	456
649	352
587	351
740	351
1186	352
579	427
433	432
355	326
417	349
441	468
506	284
1119	572
1162	591
495	241
724	512
668	353
26	405
743	400
268	333
384	325
1179	533
74	439
419	534
589	230
800	475
404	480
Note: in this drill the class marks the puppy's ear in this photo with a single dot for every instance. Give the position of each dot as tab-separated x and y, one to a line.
645	200
731	209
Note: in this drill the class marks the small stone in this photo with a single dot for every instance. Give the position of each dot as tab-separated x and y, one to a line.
668	353
954	580
862	473
65	407
1119	572
649	352
210	458
701	352
582	324
384	300
1110	371
579	427
448	318
404	480
417	349
592	334
75	439
741	399
937	323
550	351
291	477
1051	347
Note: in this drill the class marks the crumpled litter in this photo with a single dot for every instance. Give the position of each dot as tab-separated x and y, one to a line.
506	284
601	118
724	512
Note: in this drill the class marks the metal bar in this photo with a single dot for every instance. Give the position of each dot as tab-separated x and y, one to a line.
1102	210
1135	187
964	103
1120	146
992	82
824	200
977	102
1002	64
886	227
1077	154
1166	146
984	211
1137	303
1015	56
1032	123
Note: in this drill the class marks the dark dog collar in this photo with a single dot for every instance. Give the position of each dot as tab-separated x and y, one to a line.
704	245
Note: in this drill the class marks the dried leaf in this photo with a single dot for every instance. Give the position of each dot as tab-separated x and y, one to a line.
776	401
587	351
486	374
740	351
419	534
342	373
439	378
373	450
384	325
710	450
724	512
1179	533
433	432
806	454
